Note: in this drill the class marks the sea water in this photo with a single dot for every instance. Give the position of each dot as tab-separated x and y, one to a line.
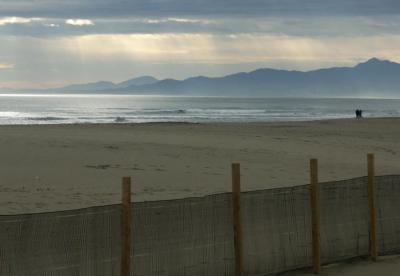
70	109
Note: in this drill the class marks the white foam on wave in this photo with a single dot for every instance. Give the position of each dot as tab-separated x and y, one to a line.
12	114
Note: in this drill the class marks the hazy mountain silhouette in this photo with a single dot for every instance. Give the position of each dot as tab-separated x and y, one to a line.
144	80
372	78
107	85
94	86
376	78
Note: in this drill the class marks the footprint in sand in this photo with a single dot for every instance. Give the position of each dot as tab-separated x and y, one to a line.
111	147
103	166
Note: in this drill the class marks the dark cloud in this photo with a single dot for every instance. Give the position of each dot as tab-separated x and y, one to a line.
162	8
58	27
316	26
290	17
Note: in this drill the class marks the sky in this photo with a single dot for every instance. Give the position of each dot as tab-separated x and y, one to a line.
51	43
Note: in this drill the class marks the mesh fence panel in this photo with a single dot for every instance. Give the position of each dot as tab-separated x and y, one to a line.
78	242
344	219
194	236
191	236
388	214
276	230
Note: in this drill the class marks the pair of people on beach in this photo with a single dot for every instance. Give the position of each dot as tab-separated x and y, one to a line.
358	113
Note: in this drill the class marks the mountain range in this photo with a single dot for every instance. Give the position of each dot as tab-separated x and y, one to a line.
373	78
108	85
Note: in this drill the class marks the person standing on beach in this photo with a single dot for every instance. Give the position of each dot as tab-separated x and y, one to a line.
358	113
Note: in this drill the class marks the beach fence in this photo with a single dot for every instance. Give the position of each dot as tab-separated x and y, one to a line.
240	233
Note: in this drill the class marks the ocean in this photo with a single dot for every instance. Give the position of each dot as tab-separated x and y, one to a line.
71	109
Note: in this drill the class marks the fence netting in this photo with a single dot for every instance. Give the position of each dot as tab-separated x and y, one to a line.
388	214
190	236
344	219
276	230
78	242
194	236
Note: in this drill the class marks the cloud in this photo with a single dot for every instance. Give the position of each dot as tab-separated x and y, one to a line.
79	22
272	50
189	20
314	26
5	66
17	20
184	8
51	25
231	49
172	19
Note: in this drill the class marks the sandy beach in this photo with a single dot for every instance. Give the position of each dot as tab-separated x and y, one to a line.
57	167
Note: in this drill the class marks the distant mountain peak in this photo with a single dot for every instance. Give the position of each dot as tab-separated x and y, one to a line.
375	61
138	81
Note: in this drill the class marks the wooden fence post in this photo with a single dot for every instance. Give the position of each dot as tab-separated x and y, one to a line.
372	207
126	227
237	224
315	216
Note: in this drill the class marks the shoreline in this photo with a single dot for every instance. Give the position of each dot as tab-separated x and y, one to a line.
205	123
70	166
